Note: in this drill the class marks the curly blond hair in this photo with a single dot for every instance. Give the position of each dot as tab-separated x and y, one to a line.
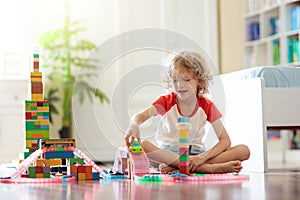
193	63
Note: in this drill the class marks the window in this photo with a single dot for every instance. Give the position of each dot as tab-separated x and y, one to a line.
12	57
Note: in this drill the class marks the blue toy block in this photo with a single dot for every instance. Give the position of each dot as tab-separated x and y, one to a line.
59	154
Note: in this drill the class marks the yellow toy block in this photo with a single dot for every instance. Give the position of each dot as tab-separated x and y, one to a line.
184	134
37	97
81	176
28	143
49	162
40	175
47	122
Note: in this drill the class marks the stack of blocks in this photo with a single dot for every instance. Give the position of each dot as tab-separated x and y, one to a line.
183	131
57	157
36	80
36	123
81	171
36	112
39	172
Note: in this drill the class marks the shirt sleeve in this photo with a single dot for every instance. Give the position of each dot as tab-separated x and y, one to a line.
164	103
160	105
210	109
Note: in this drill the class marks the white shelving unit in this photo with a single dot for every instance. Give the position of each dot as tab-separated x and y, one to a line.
269	31
13	92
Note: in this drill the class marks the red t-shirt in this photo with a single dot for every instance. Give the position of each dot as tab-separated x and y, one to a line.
168	108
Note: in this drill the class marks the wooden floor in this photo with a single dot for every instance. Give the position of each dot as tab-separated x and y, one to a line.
276	184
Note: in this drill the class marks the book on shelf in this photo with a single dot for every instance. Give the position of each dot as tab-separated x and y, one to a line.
253	31
293	50
295	17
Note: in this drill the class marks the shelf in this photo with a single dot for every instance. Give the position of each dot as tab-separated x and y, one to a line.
254	43
291	33
252	14
273	37
291	1
269	36
295	64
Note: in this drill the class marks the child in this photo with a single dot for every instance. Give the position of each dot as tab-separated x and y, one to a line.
190	77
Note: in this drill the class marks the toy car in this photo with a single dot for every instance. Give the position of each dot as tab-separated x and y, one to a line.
135	147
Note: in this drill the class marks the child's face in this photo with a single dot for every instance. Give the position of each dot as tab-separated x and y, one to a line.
184	83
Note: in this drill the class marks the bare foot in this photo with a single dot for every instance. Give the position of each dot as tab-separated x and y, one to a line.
165	169
227	167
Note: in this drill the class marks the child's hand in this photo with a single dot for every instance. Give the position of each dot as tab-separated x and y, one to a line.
195	162
133	132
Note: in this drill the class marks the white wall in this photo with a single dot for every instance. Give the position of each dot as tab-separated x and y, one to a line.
231	34
105	19
111	121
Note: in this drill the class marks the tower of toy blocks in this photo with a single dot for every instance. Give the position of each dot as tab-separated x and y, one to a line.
183	131
36	111
49	160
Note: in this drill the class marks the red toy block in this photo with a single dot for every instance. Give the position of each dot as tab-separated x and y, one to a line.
81	169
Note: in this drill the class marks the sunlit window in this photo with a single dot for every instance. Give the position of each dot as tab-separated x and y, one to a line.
11	39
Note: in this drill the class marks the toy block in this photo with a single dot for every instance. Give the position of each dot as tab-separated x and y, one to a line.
55	161
62	154
81	169
184	134
184	149
35	79
89	176
28	115
183	140
37	88
184	145
31	175
36	55
37	97
46	170
47	175
72	169
37	134
35	145
24	176
36	74
81	176
31	172
96	175
38	169
40	175
73	161
184	158
59	149
28	143
35	64
88	169
47	122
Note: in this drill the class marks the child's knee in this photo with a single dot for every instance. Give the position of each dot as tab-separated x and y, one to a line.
146	145
245	151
